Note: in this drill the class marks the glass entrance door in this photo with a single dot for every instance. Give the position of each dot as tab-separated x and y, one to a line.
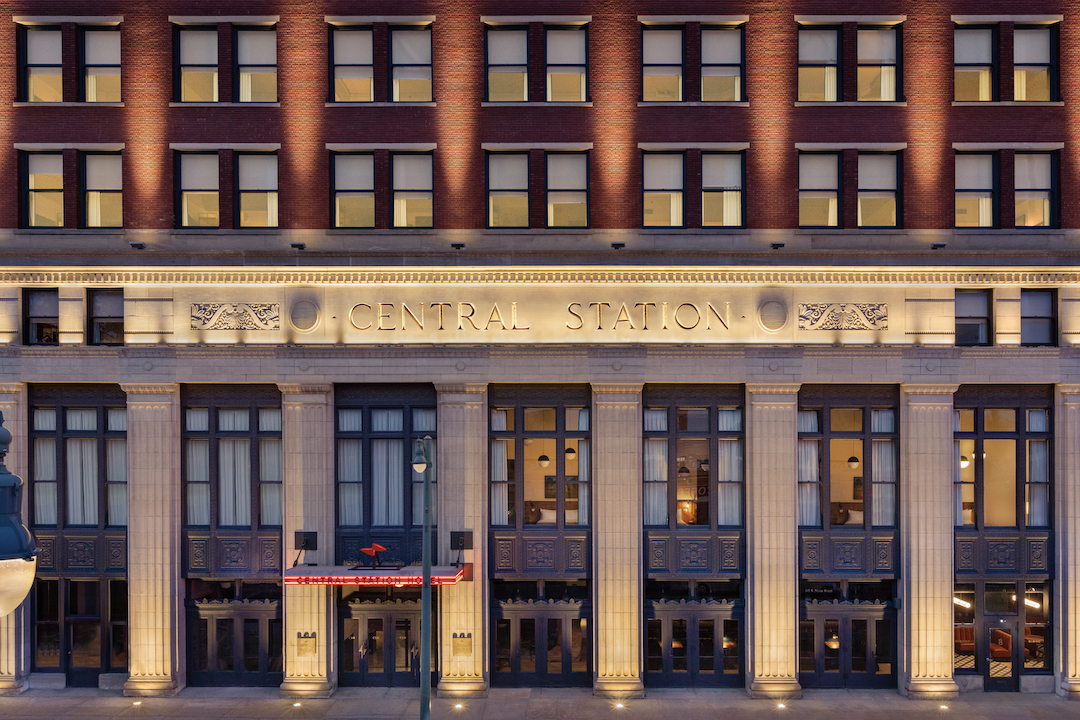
1006	654
380	647
80	628
848	649
541	644
690	649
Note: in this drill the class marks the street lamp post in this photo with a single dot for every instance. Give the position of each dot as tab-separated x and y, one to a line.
421	464
18	556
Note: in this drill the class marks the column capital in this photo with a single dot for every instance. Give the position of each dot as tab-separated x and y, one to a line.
617	388
11	388
773	389
149	388
301	389
949	389
460	388
1070	393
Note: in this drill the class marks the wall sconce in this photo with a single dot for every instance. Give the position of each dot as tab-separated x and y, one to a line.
964	461
571	453
853	462
543	461
684	471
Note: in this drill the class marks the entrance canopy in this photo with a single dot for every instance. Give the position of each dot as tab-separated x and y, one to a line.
372	576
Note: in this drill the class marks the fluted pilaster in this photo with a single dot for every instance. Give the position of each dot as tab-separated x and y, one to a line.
1066	523
14	628
926	522
617	538
155	612
772	540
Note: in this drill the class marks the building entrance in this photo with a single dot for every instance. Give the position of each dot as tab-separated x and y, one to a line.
235	634
380	644
80	628
847	636
541	634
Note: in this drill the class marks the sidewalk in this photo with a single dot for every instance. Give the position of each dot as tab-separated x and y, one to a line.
529	704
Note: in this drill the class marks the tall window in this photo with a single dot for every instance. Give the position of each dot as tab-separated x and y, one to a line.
976	193
508	189
233	462
974	313
567	63
1038	320
257	184
819	63
693	466
413	191
103	198
661	64
1035	206
198	189
975	69
410	64
42	79
819	190
101	65
507	64
256	65
721	189
106	317
376	483
197	72
79	466
877	190
662	185
540	464
41	317
354	190
353	66
721	64
1034	60
567	189
877	54
847	459
44	200
1002	465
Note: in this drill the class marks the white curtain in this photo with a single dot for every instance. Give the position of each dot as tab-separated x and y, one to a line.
424	419
656	487
809	482
882	420
732	207
1037	421
82	419
958	485
93	199
386	420
729	420
830	83
500	502
387	480
808	421
197	419
45	419
233	420
350	489
730	467
1038	483
584	463
884	486
269	419
234	482
986	212
116	476
418	478
270	478
656	420
82	481
198	482
45	479
583	419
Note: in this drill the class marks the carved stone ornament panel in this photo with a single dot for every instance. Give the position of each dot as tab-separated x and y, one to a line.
235	316
843	316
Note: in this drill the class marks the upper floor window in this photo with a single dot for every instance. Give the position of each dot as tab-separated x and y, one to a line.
976	191
662	187
847	462
1034	64
257	184
413	190
974	315
567	189
410	64
256	65
1035	196
79	466
43	199
661	64
567	63
975	76
507	64
819	63
877	56
101	65
198	185
41	317
540	465
1038	317
103	196
721	189
878	189
197	64
722	64
354	190
43	64
508	189
105	324
693	466
819	190
1003	463
352	74
377	485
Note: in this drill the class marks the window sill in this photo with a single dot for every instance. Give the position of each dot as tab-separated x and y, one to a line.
535	104
1009	103
378	104
702	103
226	231
223	104
68	231
67	104
863	103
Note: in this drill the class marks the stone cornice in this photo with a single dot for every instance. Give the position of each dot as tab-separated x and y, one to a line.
11	388
944	389
773	389
617	388
145	389
637	275
300	389
1069	390
460	388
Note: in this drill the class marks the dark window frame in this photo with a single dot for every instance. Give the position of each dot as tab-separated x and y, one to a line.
236	67
238	191
527	189
989	317
839	190
92	333
583	27
898	65
742	188
739	28
25	191
995	40
84	189
178	195
391	65
23	47
1054	220
1054	66
839	65
393	191
898	191
332	66
548	190
681	191
28	321
647	28
178	67
488	65
334	155
1053	317
84	66
995	190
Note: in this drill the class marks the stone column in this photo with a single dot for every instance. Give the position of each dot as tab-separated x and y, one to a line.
617	538
15	628
1066	485
156	652
926	542
307	431
462	467
772	533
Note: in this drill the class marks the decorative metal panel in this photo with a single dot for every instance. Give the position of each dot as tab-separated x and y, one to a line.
576	557
1001	555
811	554
504	554
117	553
729	555
47	556
199	554
539	555
693	555
270	557
235	316
847	554
883	555
843	316
81	554
1037	556
233	554
658	552
965	555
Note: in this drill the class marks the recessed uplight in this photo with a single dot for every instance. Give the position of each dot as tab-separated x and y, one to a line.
780	706
296	704
943	707
619	706
137	703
